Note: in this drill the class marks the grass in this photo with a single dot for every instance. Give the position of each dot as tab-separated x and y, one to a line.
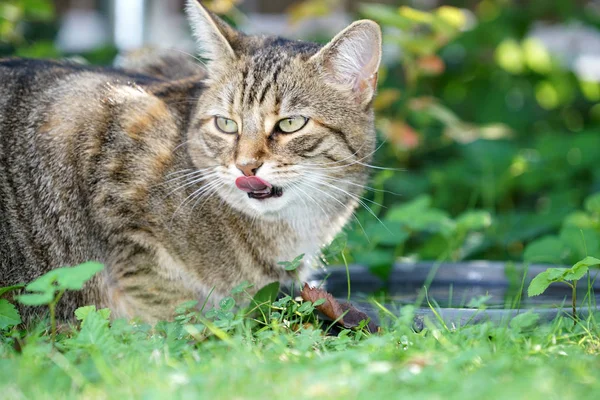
244	357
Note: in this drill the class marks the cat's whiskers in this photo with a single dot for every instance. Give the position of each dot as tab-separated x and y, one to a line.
192	181
338	200
197	192
355	197
357	161
179	172
350	156
186	172
209	194
296	185
347	182
354	163
318	178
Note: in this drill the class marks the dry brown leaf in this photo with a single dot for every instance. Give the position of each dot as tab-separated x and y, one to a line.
334	309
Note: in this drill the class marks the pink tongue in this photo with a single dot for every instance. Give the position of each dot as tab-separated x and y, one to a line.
252	184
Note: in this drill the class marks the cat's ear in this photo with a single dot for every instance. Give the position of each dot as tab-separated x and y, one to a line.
214	36
352	58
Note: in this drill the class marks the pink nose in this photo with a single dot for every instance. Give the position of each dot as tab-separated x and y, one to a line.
249	168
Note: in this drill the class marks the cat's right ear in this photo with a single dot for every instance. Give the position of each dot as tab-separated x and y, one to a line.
214	36
351	59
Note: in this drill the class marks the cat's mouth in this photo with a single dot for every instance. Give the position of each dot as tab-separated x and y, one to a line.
257	188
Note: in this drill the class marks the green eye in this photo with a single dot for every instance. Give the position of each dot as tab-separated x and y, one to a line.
226	125
292	124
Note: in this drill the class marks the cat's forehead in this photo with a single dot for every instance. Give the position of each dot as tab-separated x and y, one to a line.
262	49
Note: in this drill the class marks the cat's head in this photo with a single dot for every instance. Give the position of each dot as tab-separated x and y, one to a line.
284	125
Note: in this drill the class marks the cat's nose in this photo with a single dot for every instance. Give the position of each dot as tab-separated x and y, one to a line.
249	168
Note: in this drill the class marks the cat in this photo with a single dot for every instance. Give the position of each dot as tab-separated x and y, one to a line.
185	186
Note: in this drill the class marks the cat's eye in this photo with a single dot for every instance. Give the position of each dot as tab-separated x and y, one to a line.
226	125
291	124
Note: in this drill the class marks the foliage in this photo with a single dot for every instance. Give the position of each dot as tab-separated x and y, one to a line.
541	282
49	288
45	288
478	121
9	316
211	353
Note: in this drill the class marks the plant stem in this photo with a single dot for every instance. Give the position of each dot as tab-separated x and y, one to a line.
52	307
574	299
52	323
347	273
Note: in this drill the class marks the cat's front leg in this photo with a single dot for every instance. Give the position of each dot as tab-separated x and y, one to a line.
138	284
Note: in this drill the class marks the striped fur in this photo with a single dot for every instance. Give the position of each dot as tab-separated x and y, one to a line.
129	169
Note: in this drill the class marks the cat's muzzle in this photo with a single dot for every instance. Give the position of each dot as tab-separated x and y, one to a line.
274	191
258	188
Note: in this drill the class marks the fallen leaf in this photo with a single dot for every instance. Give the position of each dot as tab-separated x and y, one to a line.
334	309
331	307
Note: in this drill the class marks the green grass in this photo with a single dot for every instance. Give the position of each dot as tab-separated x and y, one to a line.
283	359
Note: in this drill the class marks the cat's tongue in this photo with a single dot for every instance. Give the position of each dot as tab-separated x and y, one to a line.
252	184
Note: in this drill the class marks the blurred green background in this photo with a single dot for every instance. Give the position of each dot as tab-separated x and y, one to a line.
490	111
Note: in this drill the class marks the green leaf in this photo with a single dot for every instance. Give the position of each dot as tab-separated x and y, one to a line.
186	306
82	312
581	220
265	297
292	265
336	246
474	220
95	333
547	249
242	287
44	283
588	262
75	277
406	211
392	234
539	284
9	316
67	278
581	268
7	289
555	274
525	321
374	258
227	303
592	203
105	313
306	308
580	242
36	299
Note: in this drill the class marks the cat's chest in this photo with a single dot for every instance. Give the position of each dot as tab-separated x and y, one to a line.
307	238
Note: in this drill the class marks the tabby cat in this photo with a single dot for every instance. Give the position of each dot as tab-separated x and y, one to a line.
190	183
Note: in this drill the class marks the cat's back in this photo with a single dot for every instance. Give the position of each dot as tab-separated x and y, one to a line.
23	80
56	119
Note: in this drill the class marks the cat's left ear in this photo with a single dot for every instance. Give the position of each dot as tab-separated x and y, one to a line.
352	58
214	36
